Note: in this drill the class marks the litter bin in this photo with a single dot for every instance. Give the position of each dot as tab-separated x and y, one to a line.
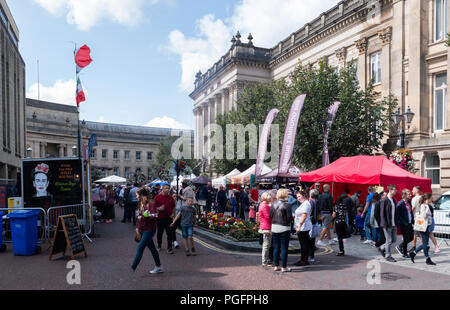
24	232
2	246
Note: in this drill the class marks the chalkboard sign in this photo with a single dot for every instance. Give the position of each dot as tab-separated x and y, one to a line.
68	235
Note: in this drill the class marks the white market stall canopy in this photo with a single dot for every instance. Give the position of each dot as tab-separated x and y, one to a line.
181	178
112	179
244	177
222	180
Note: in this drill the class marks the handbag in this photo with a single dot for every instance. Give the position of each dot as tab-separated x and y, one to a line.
314	232
420	223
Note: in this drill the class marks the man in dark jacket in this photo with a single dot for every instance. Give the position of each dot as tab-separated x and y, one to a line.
325	206
405	222
388	220
221	200
244	205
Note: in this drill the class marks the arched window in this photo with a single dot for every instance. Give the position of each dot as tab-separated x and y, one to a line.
433	168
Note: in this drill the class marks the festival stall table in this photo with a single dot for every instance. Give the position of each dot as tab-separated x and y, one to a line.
222	181
274	177
244	177
360	172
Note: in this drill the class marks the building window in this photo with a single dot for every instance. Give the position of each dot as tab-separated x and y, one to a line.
138	155
149	155
433	168
93	153
440	19
127	155
116	154
375	68
127	172
116	171
104	154
440	101
3	17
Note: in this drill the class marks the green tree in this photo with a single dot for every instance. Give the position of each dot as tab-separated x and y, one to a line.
363	118
163	157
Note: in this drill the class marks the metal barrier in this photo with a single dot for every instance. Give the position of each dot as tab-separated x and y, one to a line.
54	212
42	224
442	226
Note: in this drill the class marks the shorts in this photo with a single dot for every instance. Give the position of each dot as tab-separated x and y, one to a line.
431	227
187	231
326	220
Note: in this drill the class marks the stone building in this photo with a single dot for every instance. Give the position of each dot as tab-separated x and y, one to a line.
122	150
12	90
399	44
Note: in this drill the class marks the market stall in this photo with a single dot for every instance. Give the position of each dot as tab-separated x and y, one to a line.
274	177
360	172
113	179
181	179
244	177
222	181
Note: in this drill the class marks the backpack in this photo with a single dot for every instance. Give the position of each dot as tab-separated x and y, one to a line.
126	193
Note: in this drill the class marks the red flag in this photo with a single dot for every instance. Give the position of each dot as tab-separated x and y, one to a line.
80	93
83	58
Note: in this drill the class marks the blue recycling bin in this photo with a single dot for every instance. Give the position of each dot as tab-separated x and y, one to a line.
2	246
24	231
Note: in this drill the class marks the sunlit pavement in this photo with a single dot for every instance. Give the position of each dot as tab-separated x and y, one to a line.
110	256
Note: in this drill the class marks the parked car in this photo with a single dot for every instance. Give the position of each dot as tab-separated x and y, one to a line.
442	214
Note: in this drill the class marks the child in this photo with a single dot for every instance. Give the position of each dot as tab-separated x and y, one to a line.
188	220
359	223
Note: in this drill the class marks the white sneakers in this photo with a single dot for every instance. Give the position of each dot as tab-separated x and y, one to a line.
367	241
157	270
176	245
321	243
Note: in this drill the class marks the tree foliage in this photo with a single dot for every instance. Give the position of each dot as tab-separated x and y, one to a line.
363	118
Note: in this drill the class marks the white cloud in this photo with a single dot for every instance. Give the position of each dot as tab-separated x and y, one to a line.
101	119
166	122
62	92
269	21
87	13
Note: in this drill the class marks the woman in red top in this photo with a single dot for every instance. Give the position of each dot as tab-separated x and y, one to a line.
265	226
146	225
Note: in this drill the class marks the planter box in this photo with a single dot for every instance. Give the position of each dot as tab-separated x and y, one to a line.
228	237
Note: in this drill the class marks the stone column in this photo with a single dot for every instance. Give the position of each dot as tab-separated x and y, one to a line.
398	84
341	55
225	100
196	130
385	37
218	106
361	45
417	74
230	98
42	150
61	150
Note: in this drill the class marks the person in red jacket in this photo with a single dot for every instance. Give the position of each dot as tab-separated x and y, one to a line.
146	229
165	205
265	226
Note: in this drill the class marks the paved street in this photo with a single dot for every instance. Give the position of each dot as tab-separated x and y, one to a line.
110	257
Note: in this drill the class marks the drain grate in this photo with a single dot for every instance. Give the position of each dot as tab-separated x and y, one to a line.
392	276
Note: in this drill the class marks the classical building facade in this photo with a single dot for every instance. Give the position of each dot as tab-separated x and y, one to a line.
399	44
122	150
12	96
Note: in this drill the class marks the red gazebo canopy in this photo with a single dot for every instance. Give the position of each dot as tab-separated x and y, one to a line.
365	170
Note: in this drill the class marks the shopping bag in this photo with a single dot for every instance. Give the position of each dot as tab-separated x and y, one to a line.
314	232
420	223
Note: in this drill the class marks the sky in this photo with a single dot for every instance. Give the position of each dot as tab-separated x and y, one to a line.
145	52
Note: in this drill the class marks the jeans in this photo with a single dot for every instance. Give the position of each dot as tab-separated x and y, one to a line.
424	245
267	242
375	234
280	244
146	241
408	236
382	239
234	211
367	227
390	234
341	230
361	232
164	224
305	245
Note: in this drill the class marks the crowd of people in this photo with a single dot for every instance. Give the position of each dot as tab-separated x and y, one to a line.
309	213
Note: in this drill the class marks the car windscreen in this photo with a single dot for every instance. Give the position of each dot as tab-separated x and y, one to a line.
443	203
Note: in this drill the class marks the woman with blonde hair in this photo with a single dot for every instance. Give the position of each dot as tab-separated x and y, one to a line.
265	226
146	229
281	215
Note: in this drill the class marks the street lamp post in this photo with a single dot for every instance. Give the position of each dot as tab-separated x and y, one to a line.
407	118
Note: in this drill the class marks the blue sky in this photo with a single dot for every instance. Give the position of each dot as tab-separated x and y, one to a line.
145	52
